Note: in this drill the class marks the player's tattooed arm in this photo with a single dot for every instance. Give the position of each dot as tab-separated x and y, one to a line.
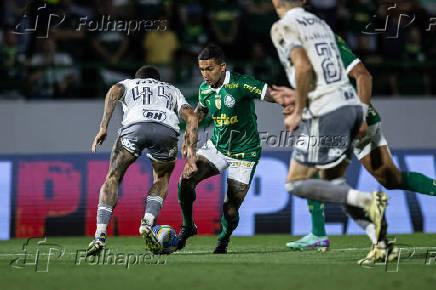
201	112
114	94
191	139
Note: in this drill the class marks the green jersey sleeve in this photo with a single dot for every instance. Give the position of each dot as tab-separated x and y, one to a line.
348	57
252	88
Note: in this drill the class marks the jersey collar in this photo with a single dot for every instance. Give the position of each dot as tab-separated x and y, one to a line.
226	81
293	11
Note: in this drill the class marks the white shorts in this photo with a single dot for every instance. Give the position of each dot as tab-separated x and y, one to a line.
239	170
371	141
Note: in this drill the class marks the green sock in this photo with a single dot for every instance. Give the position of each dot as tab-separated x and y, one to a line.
229	225
316	210
418	182
186	200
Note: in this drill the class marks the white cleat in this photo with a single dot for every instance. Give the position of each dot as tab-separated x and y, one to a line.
376	209
151	242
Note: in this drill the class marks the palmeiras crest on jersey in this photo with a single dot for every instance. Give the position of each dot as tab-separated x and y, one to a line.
229	101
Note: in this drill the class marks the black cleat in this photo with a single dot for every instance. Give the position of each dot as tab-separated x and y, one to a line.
185	233
221	246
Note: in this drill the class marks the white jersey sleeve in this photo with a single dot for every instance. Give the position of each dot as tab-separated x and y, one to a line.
181	102
331	86
149	100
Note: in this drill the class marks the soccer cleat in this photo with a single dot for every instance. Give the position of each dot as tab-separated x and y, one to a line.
221	246
376	209
310	242
185	233
380	253
96	246
151	242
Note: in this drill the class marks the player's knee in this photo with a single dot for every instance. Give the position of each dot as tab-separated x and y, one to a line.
235	202
389	177
292	187
231	208
113	179
187	184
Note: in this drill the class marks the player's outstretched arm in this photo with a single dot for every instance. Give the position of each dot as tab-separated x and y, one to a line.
191	139
287	95
201	112
114	94
303	79
364	91
273	96
363	81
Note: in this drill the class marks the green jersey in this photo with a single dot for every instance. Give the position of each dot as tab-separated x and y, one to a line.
350	60
233	112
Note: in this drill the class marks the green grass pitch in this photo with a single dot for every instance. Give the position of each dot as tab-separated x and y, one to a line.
258	262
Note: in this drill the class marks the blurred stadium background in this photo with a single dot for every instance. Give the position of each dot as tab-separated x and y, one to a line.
54	75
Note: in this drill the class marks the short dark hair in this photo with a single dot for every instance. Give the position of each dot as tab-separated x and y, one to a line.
212	51
287	2
147	71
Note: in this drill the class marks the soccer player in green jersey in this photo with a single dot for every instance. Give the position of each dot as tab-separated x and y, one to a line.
235	144
372	151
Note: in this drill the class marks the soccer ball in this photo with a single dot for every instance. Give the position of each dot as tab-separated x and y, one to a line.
167	238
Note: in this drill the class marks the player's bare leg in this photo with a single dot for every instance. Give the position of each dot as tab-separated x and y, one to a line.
120	160
155	198
186	192
380	164
236	192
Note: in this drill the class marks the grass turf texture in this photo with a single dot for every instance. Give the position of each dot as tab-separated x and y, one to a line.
259	262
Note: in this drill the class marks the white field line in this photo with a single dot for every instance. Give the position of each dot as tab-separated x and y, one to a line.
242	252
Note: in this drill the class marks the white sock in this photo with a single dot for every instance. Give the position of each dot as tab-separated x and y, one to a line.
149	218
370	231
101	228
358	198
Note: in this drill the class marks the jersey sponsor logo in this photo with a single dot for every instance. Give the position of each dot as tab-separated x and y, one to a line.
207	91
229	101
224	120
218	102
245	164
154	115
253	89
309	21
231	86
